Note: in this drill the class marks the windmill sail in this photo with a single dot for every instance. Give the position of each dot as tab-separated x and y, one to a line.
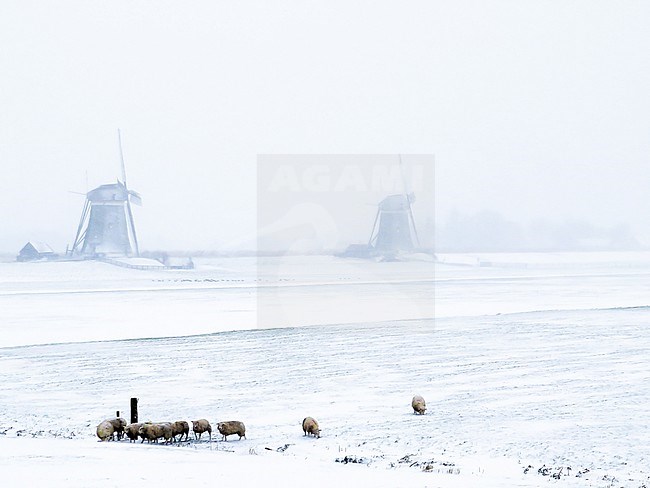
119	140
410	199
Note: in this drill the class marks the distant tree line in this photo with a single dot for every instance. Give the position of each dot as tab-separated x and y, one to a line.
489	231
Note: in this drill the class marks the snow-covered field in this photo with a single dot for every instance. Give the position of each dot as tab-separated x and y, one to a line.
534	368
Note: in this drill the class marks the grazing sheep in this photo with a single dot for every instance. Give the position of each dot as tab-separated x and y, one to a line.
105	430
167	432
152	432
232	427
310	427
131	431
418	404
180	427
118	424
201	426
148	431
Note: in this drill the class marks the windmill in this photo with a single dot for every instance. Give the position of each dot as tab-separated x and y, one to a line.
394	226
106	227
393	230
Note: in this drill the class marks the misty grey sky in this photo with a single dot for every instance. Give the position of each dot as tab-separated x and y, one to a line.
532	109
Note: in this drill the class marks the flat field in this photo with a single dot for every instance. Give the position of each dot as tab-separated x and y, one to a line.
534	368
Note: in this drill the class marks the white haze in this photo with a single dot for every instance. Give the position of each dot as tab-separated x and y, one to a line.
536	111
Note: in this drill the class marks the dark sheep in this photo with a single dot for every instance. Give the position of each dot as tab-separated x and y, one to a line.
118	424
131	431
180	427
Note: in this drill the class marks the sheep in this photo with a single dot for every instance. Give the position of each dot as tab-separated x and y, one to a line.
105	430
149	432
310	427
131	431
167	432
200	426
152	432
180	427
232	427
118	424
419	405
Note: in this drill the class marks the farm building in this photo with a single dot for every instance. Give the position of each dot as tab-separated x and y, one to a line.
34	250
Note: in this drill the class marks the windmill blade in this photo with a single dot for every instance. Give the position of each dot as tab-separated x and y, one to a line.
408	200
132	196
79	236
135	198
374	226
132	225
119	138
401	173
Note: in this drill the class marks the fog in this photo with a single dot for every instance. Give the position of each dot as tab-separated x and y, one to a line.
536	113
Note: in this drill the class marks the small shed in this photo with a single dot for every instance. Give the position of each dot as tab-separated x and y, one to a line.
35	250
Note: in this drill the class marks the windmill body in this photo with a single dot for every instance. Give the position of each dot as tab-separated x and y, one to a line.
107	223
394	224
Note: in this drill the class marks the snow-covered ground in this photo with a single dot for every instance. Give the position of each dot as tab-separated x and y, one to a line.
530	365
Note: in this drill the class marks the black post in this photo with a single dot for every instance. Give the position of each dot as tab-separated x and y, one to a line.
117	414
134	410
